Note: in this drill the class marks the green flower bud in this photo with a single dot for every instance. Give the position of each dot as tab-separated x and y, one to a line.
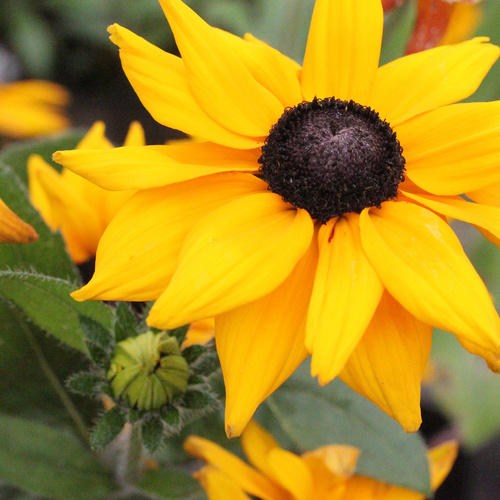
148	371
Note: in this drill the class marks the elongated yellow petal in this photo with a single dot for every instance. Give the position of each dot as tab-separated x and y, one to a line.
135	135
95	138
343	49
453	149
222	85
218	486
489	195
257	443
159	79
429	79
387	365
144	167
292	473
138	252
13	229
441	460
345	295
483	216
422	264
233	256
267	338
233	467
366	488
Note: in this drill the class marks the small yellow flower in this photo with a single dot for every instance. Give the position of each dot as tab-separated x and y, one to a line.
32	107
76	206
13	229
312	219
327	473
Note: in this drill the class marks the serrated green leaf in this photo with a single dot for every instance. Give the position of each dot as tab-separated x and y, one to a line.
206	364
171	416
179	333
46	301
98	339
108	427
152	433
85	383
170	485
199	400
125	324
313	416
193	352
48	462
48	254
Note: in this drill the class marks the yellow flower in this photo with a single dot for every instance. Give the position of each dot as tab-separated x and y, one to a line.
79	208
327	473
13	229
358	265
32	107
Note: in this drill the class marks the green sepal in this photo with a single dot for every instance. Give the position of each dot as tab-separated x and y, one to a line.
108	427
193	352
152	433
171	416
125	325
179	333
199	400
99	340
85	383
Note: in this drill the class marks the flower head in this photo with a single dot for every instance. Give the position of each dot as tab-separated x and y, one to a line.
32	107
347	255
76	206
327	473
13	229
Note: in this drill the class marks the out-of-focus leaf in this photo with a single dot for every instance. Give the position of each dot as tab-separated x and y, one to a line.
108	427
312	416
46	301
51	463
47	255
170	485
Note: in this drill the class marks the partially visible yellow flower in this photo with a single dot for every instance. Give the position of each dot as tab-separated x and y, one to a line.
32	107
76	206
199	332
327	473
13	229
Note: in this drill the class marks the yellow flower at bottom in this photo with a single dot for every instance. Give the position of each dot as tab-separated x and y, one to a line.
32	107
327	473
79	208
313	217
13	229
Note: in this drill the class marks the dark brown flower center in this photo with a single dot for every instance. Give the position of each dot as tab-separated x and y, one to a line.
332	157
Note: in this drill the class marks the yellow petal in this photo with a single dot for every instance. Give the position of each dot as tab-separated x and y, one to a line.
218	486
199	333
422	264
234	255
138	252
273	70
343	49
13	229
261	344
222	85
135	135
427	80
144	167
256	444
340	460
453	149
95	138
489	195
366	488
292	473
159	80
345	295
441	460
233	467
388	364
483	216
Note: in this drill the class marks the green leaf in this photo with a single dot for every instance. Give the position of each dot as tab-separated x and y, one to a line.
108	427
47	255
179	333
312	416
171	416
46	301
152	433
125	325
99	340
199	400
170	485
16	155
85	383
42	460
193	352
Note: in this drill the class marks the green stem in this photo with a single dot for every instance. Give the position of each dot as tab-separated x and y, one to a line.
134	455
74	414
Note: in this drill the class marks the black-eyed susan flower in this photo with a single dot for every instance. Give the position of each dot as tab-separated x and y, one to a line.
327	473
312	220
13	229
72	204
32	107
